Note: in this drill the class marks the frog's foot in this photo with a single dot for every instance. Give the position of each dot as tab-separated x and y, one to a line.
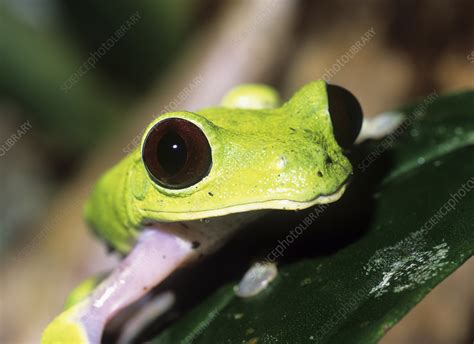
156	255
251	96
66	329
149	312
380	126
256	279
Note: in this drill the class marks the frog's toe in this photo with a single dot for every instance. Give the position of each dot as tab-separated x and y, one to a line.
251	96
256	279
377	127
65	329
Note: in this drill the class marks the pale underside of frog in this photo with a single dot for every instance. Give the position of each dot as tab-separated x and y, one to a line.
227	164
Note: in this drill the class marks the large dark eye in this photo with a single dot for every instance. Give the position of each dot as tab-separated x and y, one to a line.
176	153
346	115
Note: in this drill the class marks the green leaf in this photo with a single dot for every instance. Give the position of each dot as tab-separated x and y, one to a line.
405	224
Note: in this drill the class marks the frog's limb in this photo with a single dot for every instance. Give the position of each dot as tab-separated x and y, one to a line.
379	126
156	254
256	279
149	312
251	96
83	290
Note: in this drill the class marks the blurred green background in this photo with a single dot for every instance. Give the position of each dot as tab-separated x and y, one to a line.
86	76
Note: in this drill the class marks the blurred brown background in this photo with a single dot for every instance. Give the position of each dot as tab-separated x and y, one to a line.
86	108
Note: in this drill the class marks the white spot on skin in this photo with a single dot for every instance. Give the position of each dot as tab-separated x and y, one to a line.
256	279
281	163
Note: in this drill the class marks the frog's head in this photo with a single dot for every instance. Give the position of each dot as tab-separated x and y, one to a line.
228	159
249	154
225	160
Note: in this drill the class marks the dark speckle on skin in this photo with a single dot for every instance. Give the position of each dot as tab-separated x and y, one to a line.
328	160
196	244
293	129
210	194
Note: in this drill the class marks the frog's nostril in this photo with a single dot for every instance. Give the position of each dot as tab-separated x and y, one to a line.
320	174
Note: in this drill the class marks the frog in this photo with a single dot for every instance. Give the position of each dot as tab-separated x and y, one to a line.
198	178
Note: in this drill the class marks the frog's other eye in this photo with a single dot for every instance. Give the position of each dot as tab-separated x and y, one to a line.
176	153
346	115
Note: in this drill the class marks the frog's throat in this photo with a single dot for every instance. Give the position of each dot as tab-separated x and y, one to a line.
240	208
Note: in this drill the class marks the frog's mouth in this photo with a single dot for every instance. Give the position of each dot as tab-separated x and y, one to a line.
285	204
276	204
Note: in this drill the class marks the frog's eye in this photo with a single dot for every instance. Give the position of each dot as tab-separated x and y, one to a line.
176	153
346	115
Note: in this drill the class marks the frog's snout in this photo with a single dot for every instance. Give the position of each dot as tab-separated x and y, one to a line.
331	173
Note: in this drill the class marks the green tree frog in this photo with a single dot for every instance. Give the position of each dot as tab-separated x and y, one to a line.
199	177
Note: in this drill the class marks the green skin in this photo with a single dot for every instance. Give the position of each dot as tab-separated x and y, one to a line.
263	157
